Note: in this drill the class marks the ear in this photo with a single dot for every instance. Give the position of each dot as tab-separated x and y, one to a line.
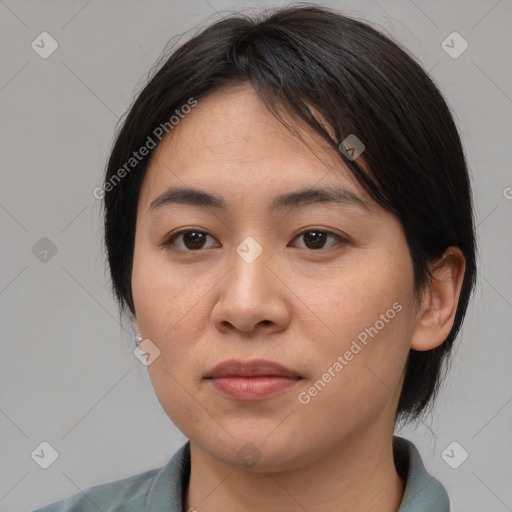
439	301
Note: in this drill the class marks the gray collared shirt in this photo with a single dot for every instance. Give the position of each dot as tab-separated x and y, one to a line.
162	490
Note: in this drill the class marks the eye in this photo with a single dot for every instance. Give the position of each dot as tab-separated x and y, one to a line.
315	238
193	240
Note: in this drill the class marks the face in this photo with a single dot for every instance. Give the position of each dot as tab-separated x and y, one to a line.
324	289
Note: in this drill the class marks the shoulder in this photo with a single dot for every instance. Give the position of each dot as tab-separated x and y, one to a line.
156	489
121	495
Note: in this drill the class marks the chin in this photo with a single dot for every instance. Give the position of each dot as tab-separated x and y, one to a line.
257	452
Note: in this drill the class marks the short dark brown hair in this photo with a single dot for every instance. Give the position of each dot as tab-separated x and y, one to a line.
361	82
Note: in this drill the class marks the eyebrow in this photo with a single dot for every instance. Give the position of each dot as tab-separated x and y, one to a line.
289	200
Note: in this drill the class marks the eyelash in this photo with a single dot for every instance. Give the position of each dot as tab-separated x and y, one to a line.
169	241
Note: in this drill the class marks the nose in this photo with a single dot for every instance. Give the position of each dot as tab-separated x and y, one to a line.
252	297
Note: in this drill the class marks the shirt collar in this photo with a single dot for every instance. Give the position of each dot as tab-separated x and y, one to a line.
423	493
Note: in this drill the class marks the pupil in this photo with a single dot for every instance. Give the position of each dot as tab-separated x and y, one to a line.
317	238
194	238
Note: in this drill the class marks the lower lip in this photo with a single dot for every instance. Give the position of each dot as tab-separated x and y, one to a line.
253	388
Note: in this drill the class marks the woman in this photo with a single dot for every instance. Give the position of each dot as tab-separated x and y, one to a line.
288	223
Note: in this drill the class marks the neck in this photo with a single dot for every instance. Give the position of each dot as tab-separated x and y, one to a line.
356	477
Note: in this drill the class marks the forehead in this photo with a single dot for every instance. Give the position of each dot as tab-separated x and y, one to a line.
231	144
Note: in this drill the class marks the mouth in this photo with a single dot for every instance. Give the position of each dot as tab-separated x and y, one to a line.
253	380
255	368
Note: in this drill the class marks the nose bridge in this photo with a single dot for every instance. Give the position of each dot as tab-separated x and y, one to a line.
250	250
250	294
249	267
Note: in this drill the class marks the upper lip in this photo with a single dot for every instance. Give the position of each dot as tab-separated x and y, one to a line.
254	368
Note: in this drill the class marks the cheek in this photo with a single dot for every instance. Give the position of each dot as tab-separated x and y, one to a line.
358	375
166	302
172	311
354	297
369	311
168	313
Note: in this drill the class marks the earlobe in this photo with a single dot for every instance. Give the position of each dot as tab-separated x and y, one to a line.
438	307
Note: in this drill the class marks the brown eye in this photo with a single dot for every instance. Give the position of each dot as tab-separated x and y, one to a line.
192	240
315	239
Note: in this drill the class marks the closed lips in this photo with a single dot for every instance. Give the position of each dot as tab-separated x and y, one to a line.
255	368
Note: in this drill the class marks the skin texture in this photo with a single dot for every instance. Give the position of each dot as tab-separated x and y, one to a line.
297	305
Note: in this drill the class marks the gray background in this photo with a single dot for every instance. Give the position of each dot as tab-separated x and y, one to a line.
68	373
